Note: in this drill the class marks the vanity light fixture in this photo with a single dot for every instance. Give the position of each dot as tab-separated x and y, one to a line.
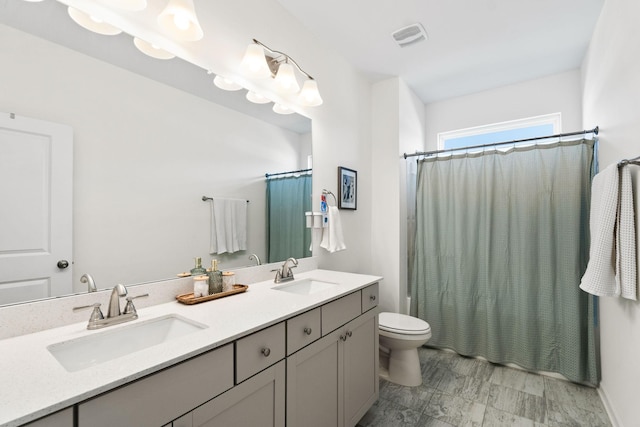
260	61
285	79
254	63
226	83
179	20
309	95
282	109
256	98
92	23
151	49
133	5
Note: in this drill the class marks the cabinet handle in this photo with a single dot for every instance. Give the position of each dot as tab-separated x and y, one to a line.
372	297
265	351
349	334
343	337
307	331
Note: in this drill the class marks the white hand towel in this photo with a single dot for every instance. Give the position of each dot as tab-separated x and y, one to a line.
599	278
228	226
332	238
626	269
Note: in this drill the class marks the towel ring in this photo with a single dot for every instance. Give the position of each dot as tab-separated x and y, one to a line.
335	201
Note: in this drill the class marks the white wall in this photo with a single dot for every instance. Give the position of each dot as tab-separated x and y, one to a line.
398	123
556	93
611	78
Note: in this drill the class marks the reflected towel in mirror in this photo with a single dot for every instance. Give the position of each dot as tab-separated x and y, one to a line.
228	225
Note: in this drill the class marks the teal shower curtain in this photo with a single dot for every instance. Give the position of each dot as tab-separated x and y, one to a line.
288	198
501	245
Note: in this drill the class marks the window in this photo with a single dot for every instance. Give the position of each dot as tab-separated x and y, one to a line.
532	127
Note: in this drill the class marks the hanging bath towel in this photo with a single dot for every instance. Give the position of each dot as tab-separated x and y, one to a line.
626	266
228	226
611	270
332	238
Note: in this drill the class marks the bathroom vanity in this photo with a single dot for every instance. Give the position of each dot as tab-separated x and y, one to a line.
302	353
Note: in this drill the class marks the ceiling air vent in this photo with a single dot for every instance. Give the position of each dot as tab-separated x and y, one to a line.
409	35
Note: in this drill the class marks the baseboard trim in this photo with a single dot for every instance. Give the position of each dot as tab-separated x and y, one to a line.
607	407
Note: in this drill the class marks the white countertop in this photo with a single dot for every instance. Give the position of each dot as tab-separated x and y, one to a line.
34	384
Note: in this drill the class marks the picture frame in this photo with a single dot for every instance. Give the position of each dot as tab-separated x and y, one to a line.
347	188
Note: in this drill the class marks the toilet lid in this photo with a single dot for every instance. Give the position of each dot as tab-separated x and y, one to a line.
402	324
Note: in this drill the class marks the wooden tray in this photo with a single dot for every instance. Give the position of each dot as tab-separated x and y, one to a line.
190	299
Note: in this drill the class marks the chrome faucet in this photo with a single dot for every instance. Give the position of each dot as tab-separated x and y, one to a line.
114	302
114	315
91	284
285	274
256	258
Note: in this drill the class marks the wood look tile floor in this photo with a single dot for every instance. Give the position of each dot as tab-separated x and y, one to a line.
465	392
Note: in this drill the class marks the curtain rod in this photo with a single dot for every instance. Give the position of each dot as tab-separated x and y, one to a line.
267	175
595	131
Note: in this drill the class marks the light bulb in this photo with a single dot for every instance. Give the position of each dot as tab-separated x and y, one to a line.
282	109
179	20
225	83
254	63
256	98
151	49
286	79
309	95
133	5
92	23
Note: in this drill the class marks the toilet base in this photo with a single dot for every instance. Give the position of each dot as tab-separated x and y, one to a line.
401	367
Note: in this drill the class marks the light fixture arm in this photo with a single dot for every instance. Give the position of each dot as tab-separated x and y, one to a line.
287	58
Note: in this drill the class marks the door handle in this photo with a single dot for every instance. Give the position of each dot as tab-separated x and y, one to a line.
62	264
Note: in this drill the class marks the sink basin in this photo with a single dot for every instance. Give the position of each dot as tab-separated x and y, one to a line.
101	347
305	286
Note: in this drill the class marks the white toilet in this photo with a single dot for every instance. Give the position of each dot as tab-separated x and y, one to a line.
400	337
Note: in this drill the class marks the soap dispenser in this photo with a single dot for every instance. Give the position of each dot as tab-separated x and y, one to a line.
215	278
198	270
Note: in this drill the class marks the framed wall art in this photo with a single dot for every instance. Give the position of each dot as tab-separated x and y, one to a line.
347	188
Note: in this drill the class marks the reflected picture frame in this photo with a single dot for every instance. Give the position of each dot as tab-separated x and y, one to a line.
347	188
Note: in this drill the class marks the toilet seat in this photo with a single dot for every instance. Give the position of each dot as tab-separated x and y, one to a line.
402	324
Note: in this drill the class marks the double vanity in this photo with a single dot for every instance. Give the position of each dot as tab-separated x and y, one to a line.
300	353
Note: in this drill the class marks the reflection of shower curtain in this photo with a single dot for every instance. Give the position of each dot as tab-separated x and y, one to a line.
287	200
501	244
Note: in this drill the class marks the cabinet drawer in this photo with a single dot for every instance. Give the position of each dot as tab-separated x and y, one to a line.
302	330
259	351
369	297
159	398
62	418
341	311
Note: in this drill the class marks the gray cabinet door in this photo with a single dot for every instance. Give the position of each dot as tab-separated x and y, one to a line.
257	402
360	358
314	392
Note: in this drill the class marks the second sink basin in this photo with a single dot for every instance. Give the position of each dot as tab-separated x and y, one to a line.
305	286
97	348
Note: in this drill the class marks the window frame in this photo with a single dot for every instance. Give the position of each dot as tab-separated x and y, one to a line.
554	119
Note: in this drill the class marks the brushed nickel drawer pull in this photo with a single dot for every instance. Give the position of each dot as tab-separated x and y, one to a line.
266	351
307	331
372	297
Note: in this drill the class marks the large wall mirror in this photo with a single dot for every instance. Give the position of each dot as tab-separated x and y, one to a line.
151	138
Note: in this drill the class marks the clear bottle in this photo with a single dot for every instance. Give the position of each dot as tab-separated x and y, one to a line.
215	278
198	270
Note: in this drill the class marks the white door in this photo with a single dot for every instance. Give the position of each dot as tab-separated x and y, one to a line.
36	173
